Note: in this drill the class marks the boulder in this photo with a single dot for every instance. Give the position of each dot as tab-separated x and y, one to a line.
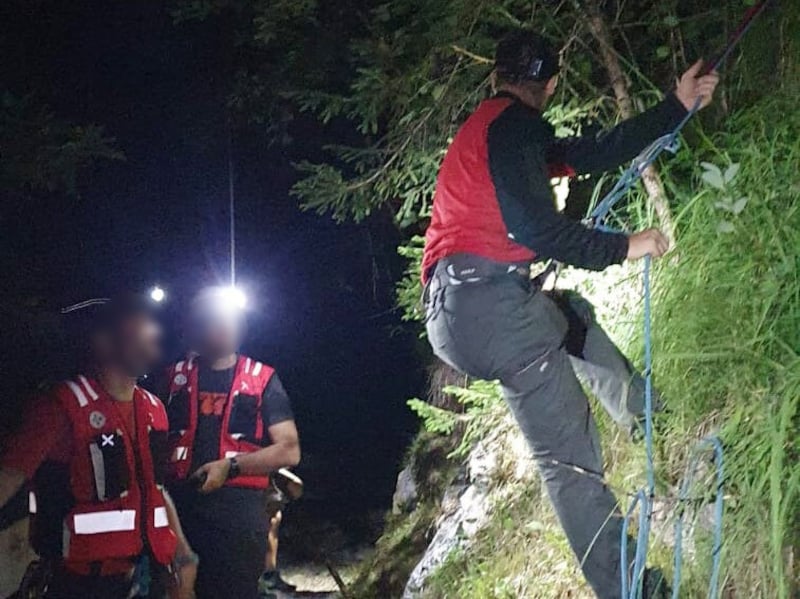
405	495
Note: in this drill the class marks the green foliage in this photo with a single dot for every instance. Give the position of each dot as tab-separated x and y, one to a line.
435	420
398	550
727	340
482	412
409	288
43	154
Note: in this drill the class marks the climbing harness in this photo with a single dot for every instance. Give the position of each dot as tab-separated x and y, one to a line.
632	581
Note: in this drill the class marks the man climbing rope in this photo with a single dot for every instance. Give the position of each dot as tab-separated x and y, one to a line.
95	448
231	425
493	215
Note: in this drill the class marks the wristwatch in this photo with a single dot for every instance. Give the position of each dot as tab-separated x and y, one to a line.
234	470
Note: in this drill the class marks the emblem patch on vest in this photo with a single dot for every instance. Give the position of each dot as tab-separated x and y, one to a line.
97	419
180	379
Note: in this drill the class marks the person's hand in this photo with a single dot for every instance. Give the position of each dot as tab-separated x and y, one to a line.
690	86
214	473
648	242
187	575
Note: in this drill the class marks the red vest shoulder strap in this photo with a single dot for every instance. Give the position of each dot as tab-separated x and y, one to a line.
156	409
256	373
76	394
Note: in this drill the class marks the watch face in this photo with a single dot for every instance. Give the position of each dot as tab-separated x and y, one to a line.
233	471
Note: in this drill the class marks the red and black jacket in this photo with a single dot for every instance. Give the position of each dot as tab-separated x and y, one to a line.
493	197
243	429
109	505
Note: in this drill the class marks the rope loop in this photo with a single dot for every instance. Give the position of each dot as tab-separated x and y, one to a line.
684	499
631	584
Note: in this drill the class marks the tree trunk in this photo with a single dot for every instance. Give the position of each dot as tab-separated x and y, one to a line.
619	83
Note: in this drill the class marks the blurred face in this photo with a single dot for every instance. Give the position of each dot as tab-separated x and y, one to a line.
217	334
134	345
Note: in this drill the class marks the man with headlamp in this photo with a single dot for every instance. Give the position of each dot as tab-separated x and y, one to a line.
231	425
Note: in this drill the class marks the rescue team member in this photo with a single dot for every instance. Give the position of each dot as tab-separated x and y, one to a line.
231	424
95	447
284	486
493	214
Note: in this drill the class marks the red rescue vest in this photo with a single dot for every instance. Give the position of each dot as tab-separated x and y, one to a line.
115	480
466	216
243	430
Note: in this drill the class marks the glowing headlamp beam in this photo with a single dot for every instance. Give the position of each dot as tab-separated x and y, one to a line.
233	298
157	294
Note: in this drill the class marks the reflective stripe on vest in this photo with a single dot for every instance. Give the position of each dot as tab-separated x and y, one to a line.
98	522
160	519
180	453
79	394
118	506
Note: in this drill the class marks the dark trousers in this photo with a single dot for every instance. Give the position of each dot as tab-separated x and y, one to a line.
494	326
68	585
231	560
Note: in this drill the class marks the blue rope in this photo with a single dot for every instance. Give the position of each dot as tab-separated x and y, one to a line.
643	502
714	444
632	589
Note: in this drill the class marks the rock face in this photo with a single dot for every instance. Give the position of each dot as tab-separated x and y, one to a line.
465	510
405	494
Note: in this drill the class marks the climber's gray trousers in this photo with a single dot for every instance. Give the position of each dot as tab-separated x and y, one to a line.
498	328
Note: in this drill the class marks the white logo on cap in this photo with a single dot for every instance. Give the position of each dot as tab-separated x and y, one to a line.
180	379
97	419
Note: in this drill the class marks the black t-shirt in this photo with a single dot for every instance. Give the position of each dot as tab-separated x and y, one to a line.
228	507
214	387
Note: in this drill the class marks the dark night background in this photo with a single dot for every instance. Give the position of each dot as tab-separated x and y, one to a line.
321	293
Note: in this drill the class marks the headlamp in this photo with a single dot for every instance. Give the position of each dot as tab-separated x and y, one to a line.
232	298
157	294
219	301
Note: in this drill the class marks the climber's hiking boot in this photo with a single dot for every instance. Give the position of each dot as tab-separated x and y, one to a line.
655	585
272	581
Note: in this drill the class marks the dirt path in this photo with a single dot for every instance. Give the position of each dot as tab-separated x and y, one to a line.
312	580
311	594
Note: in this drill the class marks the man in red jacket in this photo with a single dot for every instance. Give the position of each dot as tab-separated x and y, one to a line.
94	447
493	215
231	425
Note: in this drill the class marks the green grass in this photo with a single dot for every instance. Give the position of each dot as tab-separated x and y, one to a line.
727	334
